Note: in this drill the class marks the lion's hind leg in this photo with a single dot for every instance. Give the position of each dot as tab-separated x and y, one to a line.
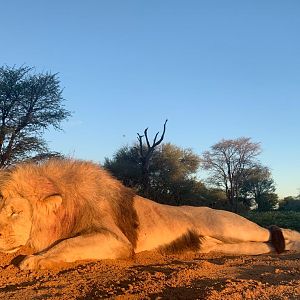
209	244
277	243
292	239
244	248
206	244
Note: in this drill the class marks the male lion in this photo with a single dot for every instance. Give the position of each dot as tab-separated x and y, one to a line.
69	210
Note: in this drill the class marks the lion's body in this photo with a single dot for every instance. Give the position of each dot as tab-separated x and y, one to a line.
69	210
173	222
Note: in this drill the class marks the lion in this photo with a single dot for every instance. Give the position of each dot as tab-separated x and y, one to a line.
69	210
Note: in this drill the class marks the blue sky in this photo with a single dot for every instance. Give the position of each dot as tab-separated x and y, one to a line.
215	69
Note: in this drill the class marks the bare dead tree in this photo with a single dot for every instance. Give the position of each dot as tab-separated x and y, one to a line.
145	152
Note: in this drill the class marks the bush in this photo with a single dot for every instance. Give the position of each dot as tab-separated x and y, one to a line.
284	219
290	203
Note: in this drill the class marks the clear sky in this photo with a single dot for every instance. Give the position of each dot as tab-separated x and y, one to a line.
215	69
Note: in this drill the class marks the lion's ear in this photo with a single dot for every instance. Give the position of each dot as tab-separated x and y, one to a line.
53	202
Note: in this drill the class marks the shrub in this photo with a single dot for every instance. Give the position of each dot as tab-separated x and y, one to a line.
290	203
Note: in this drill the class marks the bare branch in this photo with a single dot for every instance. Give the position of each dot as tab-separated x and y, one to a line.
140	139
146	136
155	138
162	136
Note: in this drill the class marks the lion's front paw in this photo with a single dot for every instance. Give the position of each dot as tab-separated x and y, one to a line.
36	262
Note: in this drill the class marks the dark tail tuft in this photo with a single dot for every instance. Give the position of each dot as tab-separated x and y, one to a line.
277	238
188	241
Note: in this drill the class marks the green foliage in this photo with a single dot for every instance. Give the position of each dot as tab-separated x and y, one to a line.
290	203
284	219
172	173
29	104
267	201
258	185
233	166
125	165
227	162
172	177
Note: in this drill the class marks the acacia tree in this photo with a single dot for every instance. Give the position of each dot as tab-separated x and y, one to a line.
227	162
29	104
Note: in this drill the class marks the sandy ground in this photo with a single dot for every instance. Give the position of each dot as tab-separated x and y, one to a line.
153	276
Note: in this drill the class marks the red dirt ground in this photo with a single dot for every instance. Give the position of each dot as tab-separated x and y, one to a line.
153	276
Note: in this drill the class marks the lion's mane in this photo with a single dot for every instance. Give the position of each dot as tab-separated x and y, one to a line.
89	195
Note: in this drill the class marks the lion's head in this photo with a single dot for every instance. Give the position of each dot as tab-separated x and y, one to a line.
15	222
44	203
30	209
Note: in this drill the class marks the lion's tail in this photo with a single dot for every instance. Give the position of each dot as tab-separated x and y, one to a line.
277	238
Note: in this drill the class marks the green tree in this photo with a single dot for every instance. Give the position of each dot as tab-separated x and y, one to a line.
172	173
258	185
227	162
29	104
290	203
125	165
267	201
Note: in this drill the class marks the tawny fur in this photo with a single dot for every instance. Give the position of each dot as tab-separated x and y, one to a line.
88	192
69	210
